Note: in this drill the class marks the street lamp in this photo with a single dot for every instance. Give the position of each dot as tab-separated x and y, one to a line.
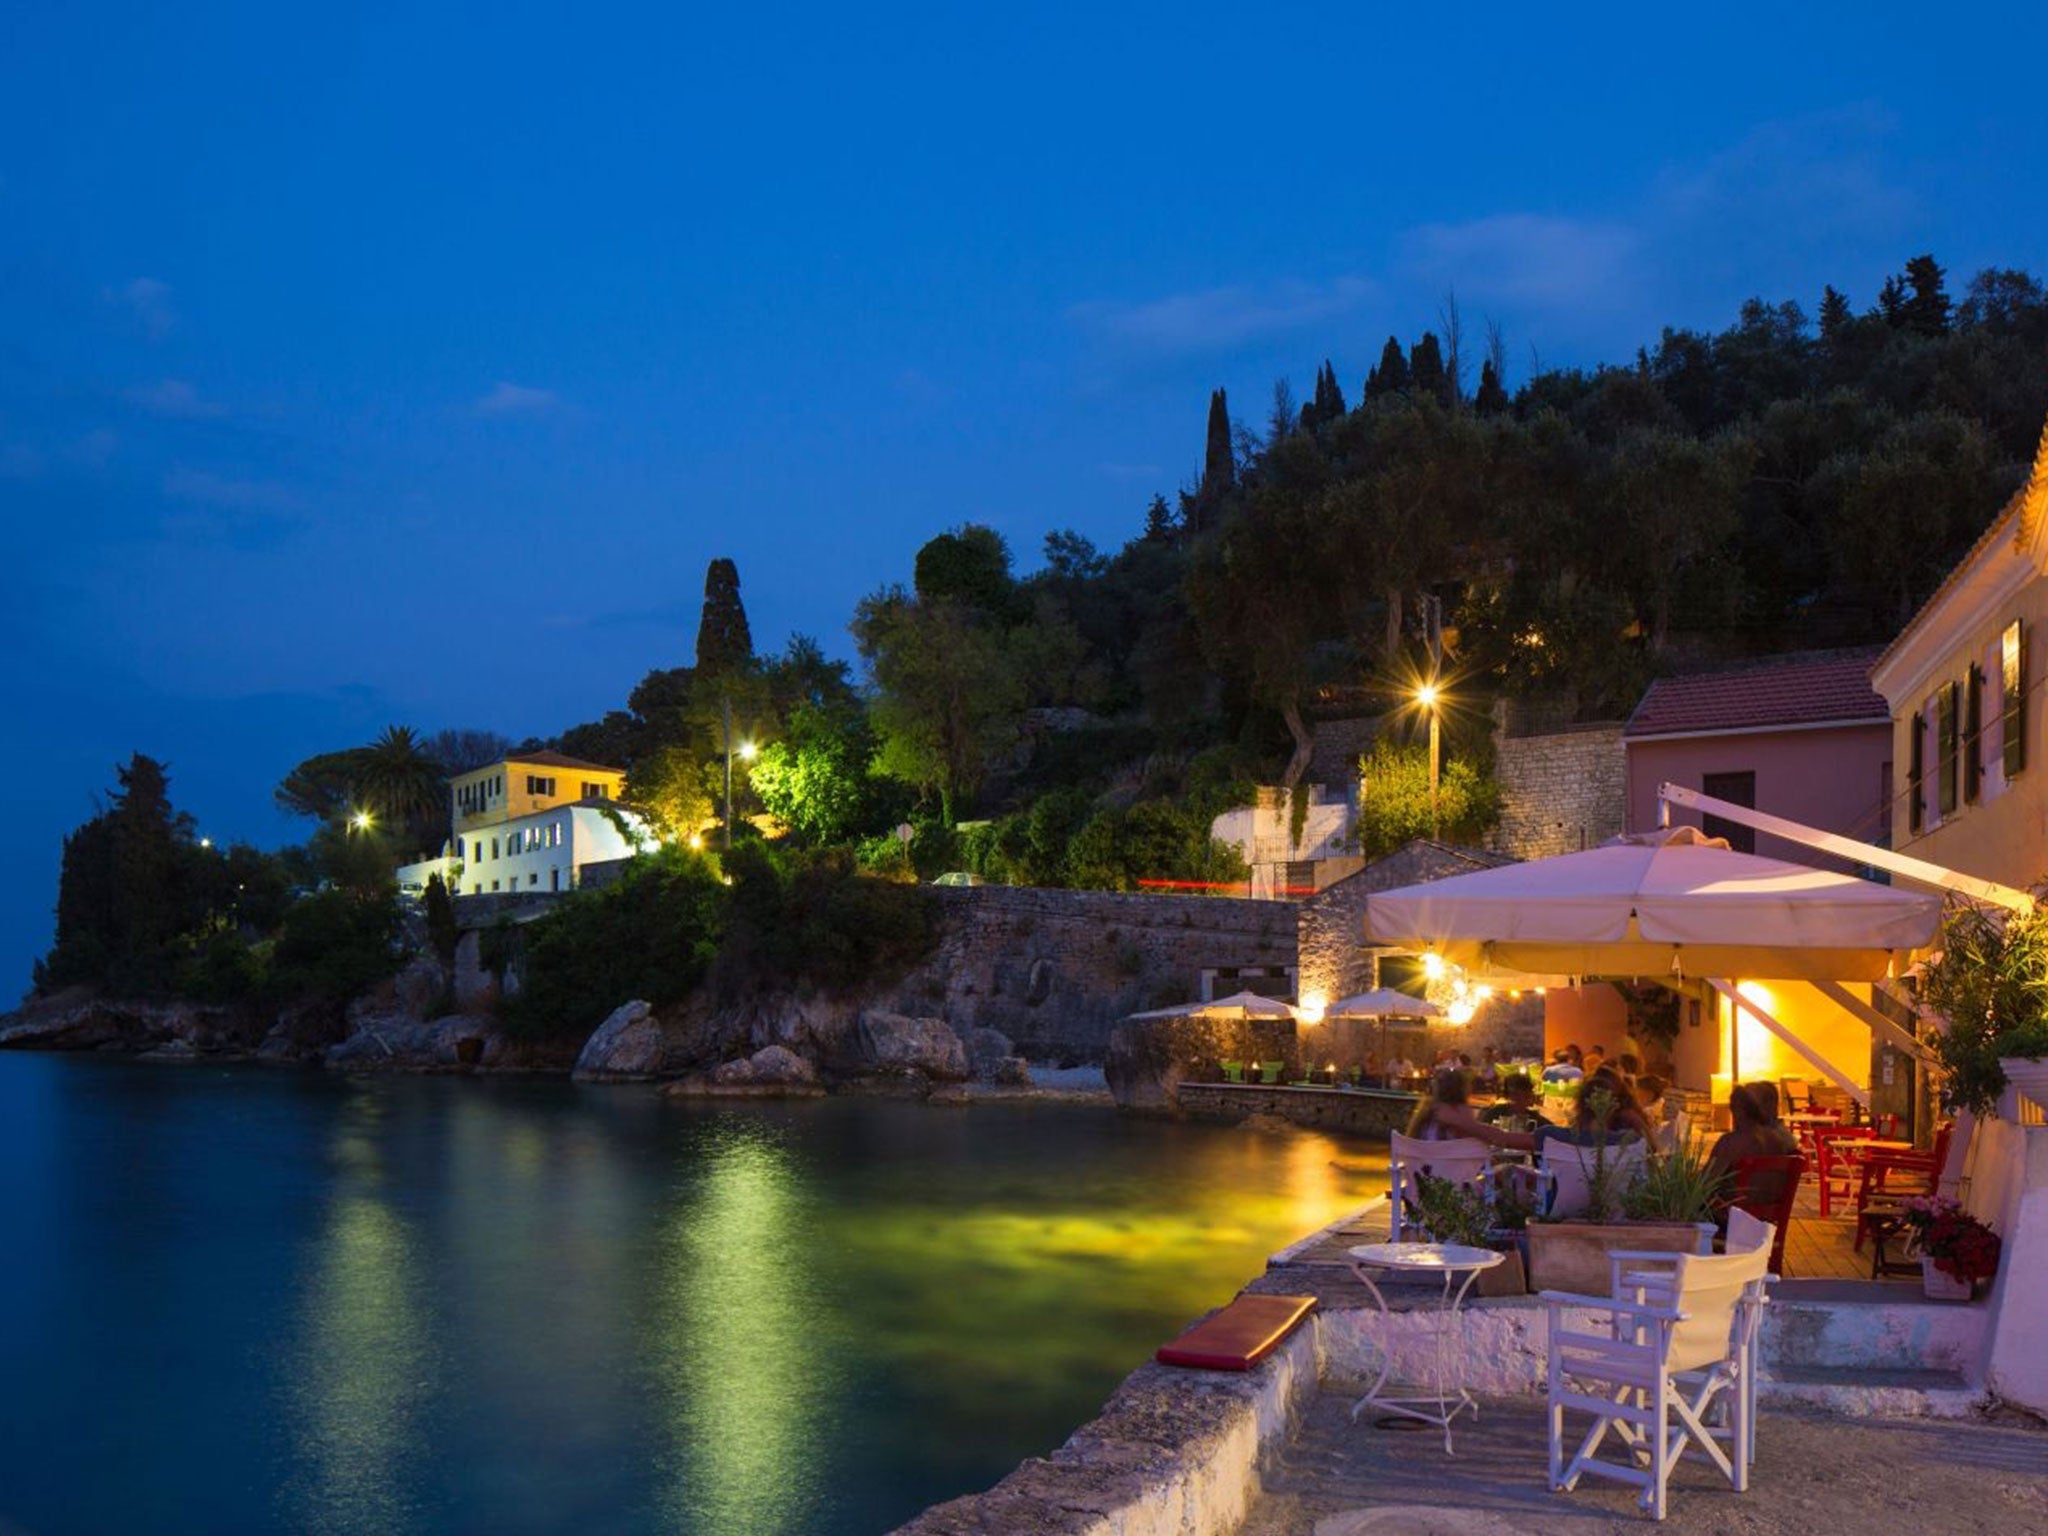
747	751
360	821
1427	697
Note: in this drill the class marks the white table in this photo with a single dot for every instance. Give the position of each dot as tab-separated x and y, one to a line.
1447	1262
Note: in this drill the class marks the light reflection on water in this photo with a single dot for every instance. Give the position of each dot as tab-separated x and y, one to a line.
295	1303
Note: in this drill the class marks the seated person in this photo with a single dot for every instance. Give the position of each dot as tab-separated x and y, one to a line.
1594	1059
1489	1066
1561	1068
1650	1099
1517	1106
1371	1067
1605	1111
1399	1069
1445	1114
1631	1067
1756	1130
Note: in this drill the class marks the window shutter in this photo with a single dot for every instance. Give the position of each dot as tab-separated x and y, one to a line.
2013	659
1916	771
1973	735
1945	744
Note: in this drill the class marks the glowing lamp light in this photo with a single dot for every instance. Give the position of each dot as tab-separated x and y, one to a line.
696	839
206	842
1461	1011
748	751
361	821
1433	966
1312	1006
1426	695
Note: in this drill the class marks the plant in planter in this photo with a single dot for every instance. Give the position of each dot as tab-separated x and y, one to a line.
1475	1216
1662	1206
1679	1186
1956	1249
1991	981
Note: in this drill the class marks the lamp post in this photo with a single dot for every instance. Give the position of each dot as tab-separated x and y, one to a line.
1426	696
746	751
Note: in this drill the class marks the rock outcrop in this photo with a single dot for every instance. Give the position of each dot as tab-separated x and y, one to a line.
77	1020
395	1043
896	1045
774	1071
629	1046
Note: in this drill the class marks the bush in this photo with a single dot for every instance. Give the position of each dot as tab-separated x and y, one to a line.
335	944
817	922
1991	983
652	935
217	966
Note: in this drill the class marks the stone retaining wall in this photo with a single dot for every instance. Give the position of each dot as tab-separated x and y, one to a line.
1560	792
1057	970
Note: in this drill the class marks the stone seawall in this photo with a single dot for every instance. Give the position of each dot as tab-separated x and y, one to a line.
1056	970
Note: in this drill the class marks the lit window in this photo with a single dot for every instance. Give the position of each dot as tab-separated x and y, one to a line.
536	784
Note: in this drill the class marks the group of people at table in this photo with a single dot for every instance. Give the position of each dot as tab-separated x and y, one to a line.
1613	1102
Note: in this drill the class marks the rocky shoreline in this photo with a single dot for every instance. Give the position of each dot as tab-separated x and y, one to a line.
435	1018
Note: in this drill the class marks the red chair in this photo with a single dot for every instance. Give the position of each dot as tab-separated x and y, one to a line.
1836	1160
1886	1180
1766	1188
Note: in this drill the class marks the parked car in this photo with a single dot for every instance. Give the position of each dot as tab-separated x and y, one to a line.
959	877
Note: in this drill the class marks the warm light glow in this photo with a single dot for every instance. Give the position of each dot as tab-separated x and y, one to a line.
748	751
361	821
1426	695
696	839
1461	1011
1433	966
1312	1006
206	842
1482	992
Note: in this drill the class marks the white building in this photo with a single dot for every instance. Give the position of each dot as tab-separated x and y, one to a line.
546	850
1283	866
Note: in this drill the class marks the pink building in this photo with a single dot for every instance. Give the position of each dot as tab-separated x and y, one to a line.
1804	737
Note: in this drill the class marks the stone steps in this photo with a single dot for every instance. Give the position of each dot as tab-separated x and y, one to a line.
1871	1392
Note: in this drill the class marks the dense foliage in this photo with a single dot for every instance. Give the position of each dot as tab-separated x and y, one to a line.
1990	981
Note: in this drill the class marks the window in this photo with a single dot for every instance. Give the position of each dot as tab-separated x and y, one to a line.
1945	745
1736	789
1973	732
533	878
494	847
555	878
537	785
494	885
458	848
593	791
2012	657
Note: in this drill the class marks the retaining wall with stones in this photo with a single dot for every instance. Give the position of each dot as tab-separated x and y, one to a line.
1361	1112
1334	959
1560	791
1057	970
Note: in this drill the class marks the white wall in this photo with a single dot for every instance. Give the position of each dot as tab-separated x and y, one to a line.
551	849
2008	1171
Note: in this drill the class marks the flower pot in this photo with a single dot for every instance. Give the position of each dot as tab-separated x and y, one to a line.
1572	1255
1938	1284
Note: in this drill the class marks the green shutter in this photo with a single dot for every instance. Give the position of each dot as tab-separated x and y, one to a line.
1916	786
1945	744
1973	735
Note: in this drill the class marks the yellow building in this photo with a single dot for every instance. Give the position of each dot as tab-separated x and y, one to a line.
1963	682
527	783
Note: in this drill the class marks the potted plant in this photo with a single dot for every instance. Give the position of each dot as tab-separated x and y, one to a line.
1664	1205
1956	1249
1485	1215
1991	982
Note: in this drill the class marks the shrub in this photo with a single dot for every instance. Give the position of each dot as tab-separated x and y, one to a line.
1991	982
652	935
336	943
818	922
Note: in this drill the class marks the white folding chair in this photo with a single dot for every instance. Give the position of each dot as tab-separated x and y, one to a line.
1673	1367
1464	1160
1565	1170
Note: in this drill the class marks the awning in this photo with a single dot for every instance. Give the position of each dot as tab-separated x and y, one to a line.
1668	903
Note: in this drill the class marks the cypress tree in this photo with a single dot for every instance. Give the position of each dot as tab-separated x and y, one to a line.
1391	377
1891	301
1219	464
1426	372
1926	312
1835	314
1492	398
724	643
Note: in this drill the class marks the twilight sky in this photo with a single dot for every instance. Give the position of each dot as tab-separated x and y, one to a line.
370	364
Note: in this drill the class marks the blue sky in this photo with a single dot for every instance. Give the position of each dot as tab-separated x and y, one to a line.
369	364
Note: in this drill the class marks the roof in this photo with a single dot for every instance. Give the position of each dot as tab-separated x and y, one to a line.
2029	505
545	760
1813	688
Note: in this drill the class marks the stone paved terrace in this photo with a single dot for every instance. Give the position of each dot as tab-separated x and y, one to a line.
1813	1475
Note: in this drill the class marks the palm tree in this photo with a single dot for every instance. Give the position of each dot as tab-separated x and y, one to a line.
399	782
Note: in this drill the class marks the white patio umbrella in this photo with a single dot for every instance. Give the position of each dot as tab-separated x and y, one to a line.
1673	902
1246	1005
1382	1003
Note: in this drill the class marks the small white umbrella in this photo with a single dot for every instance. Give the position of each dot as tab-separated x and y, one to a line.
1382	1003
1246	1005
1673	901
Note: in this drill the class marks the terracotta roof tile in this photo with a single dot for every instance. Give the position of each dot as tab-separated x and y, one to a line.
1807	689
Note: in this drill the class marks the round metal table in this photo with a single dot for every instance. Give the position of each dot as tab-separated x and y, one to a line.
1457	1267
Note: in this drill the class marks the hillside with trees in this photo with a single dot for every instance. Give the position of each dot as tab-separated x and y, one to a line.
1784	483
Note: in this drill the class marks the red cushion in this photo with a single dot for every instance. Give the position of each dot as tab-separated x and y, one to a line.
1240	1335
